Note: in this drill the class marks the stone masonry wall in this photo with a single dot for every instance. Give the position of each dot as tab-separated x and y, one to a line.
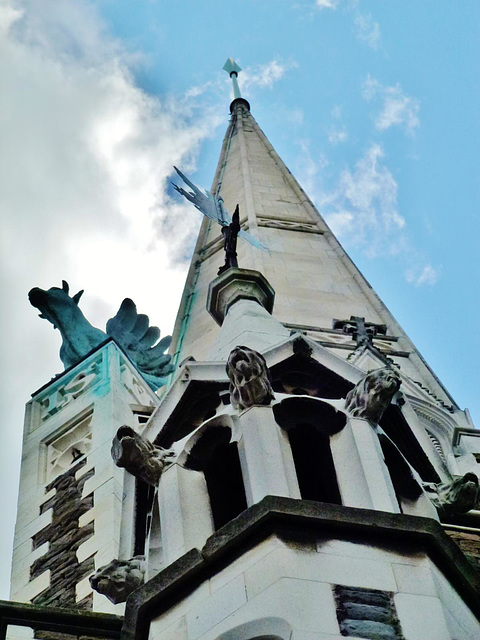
64	536
469	543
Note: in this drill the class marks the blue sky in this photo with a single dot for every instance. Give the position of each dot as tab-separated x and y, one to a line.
372	105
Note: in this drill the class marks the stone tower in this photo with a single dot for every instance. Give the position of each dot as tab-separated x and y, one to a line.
304	473
69	518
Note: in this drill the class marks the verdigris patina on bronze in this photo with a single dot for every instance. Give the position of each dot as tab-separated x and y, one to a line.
139	456
213	207
249	379
230	233
372	395
130	330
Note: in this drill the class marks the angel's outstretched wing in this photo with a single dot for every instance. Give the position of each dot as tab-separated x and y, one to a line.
252	240
213	208
204	202
132	332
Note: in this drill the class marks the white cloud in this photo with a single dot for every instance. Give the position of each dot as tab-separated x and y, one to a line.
366	29
327	4
337	112
309	170
264	75
85	156
362	211
419	276
363	208
337	136
396	108
295	116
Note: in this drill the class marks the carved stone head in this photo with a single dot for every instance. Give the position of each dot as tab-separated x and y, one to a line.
249	378
117	579
372	395
139	456
458	496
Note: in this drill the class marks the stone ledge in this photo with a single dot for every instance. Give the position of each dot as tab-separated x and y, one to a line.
71	621
300	517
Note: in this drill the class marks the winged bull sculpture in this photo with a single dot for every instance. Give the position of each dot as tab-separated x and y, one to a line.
130	330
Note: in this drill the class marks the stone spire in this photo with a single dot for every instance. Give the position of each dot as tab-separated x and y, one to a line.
318	288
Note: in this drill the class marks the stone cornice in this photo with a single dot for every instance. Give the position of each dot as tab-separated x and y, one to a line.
276	515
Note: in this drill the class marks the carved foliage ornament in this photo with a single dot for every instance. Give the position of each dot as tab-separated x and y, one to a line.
139	456
372	395
458	496
117	579
249	378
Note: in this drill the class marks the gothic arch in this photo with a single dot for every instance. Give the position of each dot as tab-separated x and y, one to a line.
439	426
260	629
309	423
213	451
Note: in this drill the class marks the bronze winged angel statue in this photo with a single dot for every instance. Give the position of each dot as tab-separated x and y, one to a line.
214	208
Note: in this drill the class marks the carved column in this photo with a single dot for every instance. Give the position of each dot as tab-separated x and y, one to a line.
362	475
185	516
265	456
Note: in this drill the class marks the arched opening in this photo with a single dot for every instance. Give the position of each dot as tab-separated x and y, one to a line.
260	629
317	479
404	483
310	423
144	495
155	548
224	479
398	430
218	458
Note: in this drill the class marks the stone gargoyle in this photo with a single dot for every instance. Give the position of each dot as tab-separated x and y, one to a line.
139	456
129	329
117	579
249	379
458	496
372	395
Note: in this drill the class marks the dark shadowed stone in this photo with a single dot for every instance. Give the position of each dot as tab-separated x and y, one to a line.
367	613
359	611
368	629
64	536
370	597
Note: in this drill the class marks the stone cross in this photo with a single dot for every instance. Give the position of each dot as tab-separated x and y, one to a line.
361	331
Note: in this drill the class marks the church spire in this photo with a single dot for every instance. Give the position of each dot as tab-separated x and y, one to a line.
318	288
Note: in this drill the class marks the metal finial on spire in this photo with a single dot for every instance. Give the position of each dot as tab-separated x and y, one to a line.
232	68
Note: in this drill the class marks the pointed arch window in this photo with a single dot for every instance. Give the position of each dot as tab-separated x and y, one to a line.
309	424
215	455
317	479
